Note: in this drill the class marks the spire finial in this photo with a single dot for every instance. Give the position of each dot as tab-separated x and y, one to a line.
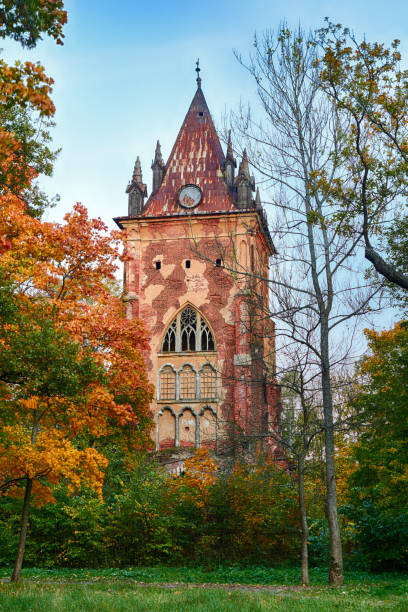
258	202
158	158
243	167
198	73
137	171
230	153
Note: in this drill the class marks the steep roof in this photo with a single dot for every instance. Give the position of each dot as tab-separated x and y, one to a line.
196	158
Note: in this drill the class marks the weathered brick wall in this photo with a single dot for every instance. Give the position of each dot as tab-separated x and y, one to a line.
222	296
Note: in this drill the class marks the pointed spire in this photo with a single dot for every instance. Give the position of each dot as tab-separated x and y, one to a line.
243	166
230	153
230	164
137	172
196	158
198	74
158	168
245	184
136	190
158	159
258	202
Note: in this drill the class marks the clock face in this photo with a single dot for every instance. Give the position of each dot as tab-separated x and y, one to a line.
189	196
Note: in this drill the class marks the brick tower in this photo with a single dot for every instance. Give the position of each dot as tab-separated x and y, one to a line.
198	253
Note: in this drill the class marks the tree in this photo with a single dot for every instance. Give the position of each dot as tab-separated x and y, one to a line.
71	366
301	424
377	486
315	294
369	88
72	372
26	108
381	404
27	21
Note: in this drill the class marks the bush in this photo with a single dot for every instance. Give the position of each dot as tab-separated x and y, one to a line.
380	537
149	517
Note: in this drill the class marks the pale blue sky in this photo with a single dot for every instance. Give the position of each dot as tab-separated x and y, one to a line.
125	77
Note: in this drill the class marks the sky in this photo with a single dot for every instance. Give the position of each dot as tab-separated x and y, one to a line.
125	77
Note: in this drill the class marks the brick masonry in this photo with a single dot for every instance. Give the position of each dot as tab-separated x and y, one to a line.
247	402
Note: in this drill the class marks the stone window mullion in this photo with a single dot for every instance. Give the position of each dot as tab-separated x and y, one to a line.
198	339
178	335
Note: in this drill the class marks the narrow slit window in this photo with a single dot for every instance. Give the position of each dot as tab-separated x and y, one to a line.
158	265
188	263
218	263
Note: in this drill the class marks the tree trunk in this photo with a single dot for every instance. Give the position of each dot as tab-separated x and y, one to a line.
23	532
336	556
303	522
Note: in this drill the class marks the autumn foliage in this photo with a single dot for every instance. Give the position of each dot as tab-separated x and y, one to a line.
60	275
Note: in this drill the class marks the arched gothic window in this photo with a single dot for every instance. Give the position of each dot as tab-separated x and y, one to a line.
188	332
208	382
167	383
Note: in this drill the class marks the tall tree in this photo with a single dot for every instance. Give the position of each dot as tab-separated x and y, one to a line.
316	297
301	424
71	367
71	364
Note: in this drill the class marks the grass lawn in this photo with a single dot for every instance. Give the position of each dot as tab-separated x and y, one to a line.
120	590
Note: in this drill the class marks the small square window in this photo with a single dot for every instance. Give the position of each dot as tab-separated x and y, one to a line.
201	114
218	263
158	265
188	263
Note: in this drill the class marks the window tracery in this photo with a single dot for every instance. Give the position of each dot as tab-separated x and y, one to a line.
169	342
207	342
188	323
188	332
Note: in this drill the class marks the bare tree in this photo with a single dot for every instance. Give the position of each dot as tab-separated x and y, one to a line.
317	295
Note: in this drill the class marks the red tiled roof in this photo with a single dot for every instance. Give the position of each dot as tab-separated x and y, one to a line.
196	158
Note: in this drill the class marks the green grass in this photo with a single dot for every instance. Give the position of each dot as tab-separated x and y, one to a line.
105	590
223	574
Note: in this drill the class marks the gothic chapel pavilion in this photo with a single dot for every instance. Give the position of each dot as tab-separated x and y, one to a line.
211	361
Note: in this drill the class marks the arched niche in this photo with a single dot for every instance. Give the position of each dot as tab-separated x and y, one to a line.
243	254
187	426
166	428
208	427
